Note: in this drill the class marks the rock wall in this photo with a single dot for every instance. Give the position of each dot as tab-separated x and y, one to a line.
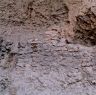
47	47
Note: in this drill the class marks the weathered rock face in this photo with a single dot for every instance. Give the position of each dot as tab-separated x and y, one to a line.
37	51
40	14
85	31
52	12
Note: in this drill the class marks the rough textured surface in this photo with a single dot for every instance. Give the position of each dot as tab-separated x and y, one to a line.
86	27
40	49
40	13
